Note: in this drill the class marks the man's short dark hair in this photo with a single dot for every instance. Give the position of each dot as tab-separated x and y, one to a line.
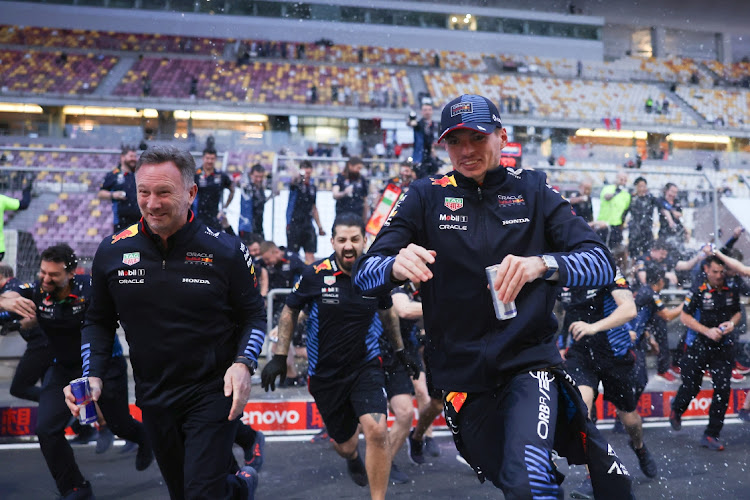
61	253
354	160
209	151
257	168
711	259
639	179
6	271
654	274
660	244
668	186
127	148
305	164
348	219
408	164
164	154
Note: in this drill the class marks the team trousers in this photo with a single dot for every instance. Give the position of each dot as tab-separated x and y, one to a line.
53	416
36	360
192	443
508	434
718	359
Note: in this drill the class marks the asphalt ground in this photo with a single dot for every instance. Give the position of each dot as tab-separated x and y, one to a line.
295	468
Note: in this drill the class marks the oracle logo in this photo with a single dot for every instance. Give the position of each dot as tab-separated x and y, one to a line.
270	417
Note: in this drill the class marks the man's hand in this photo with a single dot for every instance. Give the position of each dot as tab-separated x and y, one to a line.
19	305
580	329
411	264
277	366
237	385
409	362
514	272
714	334
738	231
726	328
119	195
95	384
321	231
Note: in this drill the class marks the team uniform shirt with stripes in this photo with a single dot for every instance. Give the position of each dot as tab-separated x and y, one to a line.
188	310
473	226
339	338
710	307
595	307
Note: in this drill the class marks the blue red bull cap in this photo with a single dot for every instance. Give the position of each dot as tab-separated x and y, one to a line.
472	112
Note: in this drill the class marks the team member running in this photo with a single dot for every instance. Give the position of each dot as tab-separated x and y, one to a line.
59	300
602	351
346	374
503	378
187	299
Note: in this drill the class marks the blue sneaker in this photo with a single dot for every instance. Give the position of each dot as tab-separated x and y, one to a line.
254	454
250	477
712	443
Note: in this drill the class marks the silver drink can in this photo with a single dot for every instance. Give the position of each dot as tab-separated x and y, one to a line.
502	311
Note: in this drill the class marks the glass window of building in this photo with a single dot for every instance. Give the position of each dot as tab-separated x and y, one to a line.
513	26
148	4
182	5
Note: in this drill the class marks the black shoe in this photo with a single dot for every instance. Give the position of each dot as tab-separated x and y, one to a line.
398	477
357	471
144	457
416	451
431	447
250	477
675	420
105	440
254	454
645	460
83	492
86	435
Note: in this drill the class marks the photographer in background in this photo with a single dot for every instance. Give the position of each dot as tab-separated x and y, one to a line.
425	133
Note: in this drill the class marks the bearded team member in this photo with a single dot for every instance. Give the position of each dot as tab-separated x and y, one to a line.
346	376
187	299
503	378
59	300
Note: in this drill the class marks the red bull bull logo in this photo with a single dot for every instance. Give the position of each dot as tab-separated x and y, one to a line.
445	181
323	266
125	233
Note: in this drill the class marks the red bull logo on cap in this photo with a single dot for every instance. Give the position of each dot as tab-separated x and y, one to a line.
125	233
461	108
